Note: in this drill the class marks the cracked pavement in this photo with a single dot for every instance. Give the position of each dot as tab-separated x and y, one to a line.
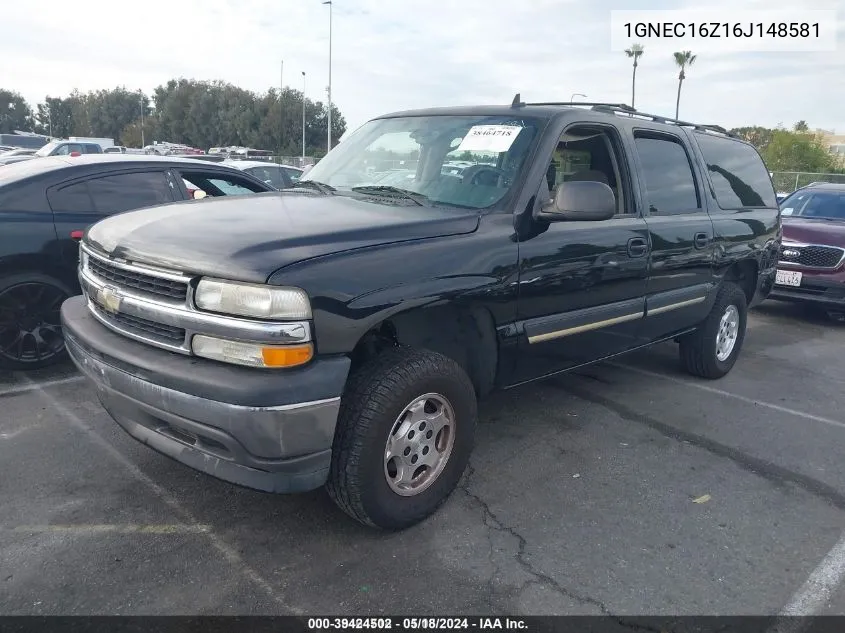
628	488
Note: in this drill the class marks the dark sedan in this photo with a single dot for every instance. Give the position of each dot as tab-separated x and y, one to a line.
812	257
45	207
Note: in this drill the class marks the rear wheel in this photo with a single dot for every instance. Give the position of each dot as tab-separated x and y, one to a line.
403	439
30	323
711	351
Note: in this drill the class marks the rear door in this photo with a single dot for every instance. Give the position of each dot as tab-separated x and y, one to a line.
681	258
80	203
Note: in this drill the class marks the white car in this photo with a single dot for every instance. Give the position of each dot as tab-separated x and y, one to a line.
278	176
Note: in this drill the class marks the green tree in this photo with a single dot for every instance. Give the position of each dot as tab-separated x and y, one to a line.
683	59
635	52
799	151
15	112
801	126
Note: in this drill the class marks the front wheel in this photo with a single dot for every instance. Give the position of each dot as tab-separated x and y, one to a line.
404	436
712	350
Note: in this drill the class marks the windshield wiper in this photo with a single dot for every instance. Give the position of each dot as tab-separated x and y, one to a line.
313	184
394	192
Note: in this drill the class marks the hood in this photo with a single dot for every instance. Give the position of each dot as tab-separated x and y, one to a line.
247	238
814	231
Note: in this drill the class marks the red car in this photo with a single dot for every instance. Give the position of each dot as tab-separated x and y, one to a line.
812	257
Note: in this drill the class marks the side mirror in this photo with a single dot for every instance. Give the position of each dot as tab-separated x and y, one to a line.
199	194
579	201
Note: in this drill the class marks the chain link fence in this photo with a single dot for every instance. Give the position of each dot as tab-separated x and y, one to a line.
789	181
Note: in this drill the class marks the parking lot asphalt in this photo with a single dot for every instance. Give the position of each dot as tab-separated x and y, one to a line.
627	488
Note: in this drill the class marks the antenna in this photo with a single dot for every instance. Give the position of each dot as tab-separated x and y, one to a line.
517	101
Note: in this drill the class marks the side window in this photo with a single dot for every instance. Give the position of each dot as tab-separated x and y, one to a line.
273	176
125	192
93	149
71	199
216	184
592	154
669	180
230	187
737	172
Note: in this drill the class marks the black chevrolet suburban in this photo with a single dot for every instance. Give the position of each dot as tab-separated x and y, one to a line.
340	332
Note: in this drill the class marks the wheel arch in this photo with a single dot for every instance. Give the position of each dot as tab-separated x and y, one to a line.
464	333
744	274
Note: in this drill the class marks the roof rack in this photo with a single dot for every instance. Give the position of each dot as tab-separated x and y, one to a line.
623	108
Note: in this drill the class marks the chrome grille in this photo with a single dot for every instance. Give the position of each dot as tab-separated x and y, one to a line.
811	256
147	284
142	327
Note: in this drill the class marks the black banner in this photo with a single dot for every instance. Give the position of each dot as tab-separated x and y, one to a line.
416	623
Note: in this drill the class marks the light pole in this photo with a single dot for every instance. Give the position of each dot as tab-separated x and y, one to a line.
143	144
329	148
576	94
303	118
281	110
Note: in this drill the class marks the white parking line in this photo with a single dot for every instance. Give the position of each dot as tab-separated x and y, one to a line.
8	435
110	529
812	597
227	551
728	394
33	385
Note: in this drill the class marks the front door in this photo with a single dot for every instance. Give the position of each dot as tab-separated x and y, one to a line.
582	284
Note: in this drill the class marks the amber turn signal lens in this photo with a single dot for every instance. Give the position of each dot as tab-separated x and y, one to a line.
290	356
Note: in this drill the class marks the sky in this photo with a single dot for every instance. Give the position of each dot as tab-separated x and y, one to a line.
390	55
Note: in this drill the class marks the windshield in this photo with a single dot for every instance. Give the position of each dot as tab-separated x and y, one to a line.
815	204
46	149
461	161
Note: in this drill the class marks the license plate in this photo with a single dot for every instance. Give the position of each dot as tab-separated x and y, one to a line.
788	278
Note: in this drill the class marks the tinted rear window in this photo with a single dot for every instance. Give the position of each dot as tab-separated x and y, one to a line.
738	174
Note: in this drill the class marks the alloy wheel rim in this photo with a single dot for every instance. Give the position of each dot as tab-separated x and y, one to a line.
728	333
419	444
30	322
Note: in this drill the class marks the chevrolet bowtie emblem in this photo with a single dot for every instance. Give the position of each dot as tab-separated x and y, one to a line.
109	299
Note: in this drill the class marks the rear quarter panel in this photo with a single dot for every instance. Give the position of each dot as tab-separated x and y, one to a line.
743	234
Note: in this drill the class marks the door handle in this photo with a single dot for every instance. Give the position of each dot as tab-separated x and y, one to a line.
637	247
701	240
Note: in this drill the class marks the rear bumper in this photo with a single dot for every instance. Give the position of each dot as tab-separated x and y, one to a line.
265	430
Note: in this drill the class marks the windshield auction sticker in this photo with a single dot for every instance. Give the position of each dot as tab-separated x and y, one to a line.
489	138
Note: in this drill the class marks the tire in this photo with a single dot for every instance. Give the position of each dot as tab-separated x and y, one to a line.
376	396
22	314
698	350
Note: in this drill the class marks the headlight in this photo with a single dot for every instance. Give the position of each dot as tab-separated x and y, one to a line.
252	300
251	354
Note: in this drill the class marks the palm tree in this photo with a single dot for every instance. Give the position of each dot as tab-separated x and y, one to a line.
634	52
682	59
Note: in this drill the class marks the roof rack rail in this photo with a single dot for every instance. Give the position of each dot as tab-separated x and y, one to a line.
623	108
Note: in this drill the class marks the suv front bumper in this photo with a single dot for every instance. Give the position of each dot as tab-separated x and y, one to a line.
269	430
